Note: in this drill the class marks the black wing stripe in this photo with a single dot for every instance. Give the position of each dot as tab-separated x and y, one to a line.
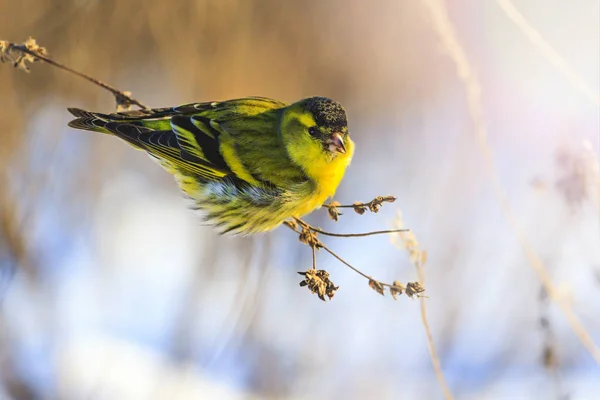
204	125
164	145
128	132
208	145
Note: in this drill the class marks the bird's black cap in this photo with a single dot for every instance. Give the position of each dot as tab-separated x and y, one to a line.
327	113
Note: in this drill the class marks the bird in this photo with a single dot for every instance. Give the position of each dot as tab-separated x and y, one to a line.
247	164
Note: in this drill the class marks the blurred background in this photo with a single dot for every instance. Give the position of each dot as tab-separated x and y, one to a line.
111	289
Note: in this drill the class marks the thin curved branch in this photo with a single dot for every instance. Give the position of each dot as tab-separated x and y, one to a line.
38	53
536	38
348	235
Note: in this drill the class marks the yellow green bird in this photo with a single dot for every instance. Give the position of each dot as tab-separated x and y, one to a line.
249	164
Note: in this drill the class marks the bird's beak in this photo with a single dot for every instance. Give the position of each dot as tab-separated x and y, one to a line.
336	143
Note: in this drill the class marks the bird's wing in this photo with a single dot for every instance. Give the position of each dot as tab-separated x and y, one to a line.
187	137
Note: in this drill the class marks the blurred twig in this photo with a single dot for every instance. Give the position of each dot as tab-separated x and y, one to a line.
551	55
418	258
445	30
592	161
20	54
550	358
10	229
12	233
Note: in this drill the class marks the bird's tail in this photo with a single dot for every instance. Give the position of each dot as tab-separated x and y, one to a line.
89	121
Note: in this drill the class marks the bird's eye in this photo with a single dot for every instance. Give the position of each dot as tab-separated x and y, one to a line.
314	132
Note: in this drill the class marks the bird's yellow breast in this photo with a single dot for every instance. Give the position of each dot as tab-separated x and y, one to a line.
326	176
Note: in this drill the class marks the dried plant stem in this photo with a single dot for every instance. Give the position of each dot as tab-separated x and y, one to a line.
551	55
445	30
418	258
550	358
321	245
315	244
348	235
435	359
377	201
122	97
347	264
359	207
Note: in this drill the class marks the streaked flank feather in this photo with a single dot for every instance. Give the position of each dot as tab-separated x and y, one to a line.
249	164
